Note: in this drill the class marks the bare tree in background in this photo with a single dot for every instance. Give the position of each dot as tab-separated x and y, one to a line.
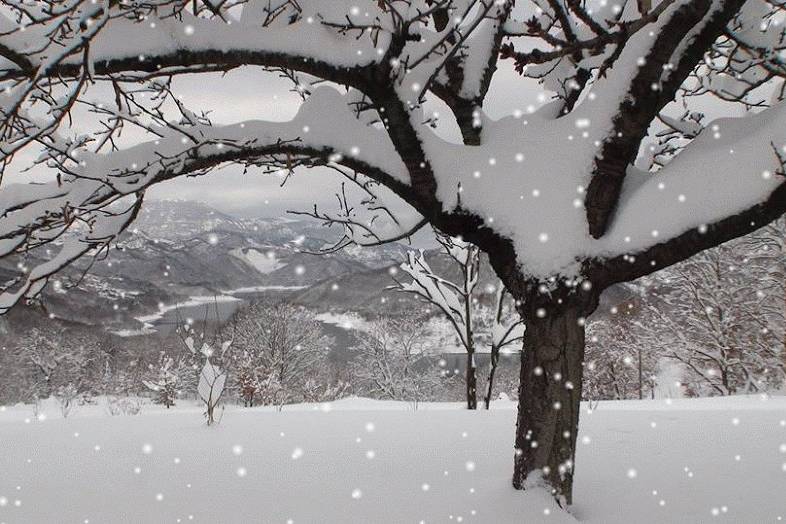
619	365
278	348
394	361
708	315
767	255
553	193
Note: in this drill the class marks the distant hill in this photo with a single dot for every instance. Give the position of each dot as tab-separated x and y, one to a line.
177	249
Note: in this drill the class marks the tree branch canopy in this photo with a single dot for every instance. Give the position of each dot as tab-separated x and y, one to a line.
85	209
554	192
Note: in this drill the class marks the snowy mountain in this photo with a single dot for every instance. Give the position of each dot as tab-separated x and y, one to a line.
177	249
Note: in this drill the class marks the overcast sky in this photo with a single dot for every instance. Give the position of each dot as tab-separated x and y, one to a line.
250	93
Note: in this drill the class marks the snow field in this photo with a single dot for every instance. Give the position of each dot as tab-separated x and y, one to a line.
362	461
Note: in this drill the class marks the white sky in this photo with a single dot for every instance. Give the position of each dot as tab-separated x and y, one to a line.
249	93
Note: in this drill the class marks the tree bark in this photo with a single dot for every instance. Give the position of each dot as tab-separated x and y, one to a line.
549	396
472	380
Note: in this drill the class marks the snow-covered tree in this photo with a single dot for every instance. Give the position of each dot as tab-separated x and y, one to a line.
455	300
67	397
247	377
164	381
618	364
51	363
549	187
473	322
394	361
212	376
278	348
710	315
766	253
321	391
499	329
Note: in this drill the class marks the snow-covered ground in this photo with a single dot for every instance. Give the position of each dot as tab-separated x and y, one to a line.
361	461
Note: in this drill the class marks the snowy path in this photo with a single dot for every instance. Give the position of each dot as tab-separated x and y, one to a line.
367	462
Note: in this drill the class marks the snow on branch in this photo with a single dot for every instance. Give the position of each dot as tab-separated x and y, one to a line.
154	35
79	208
453	299
92	232
332	40
449	297
726	182
646	76
548	194
475	45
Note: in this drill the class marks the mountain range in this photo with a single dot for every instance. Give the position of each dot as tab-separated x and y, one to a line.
177	250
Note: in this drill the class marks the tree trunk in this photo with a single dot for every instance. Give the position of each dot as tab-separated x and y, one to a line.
613	372
549	396
492	372
472	380
641	378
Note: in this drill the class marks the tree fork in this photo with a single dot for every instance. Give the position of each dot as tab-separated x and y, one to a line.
492	372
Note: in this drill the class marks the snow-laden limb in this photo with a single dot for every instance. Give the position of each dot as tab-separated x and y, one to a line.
19	127
93	178
463	75
537	200
645	77
138	39
481	48
524	182
102	227
331	40
78	208
727	181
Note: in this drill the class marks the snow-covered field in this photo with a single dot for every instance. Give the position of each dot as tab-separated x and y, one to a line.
361	461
